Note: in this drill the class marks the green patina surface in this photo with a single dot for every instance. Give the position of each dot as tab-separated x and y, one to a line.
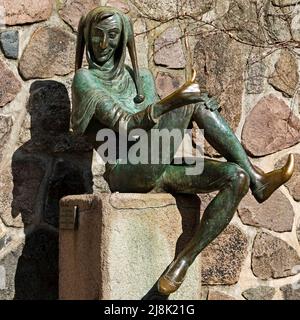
110	94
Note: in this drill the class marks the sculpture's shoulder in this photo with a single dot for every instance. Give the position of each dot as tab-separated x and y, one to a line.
147	76
83	80
82	74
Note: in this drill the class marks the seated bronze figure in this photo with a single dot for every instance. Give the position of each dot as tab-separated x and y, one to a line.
110	94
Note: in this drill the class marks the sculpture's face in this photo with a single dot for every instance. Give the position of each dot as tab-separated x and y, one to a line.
105	36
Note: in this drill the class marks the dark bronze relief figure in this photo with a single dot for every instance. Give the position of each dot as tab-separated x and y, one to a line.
110	94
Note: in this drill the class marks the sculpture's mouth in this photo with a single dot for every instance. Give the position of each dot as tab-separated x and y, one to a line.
104	53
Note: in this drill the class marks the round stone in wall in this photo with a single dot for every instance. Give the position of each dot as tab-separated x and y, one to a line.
72	10
277	28
271	126
222	259
167	83
168	49
217	295
163	10
50	52
272	257
9	41
26	11
293	184
9	85
275	214
285	77
259	293
6	124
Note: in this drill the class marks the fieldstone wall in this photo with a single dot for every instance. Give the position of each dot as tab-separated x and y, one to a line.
246	53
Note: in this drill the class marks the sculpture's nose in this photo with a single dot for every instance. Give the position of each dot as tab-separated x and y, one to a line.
103	42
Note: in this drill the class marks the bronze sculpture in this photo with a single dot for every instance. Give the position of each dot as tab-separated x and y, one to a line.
112	95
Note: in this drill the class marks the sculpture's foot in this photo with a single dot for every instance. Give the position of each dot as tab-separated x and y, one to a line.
267	183
172	279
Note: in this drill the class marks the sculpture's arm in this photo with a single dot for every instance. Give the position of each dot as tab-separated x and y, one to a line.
89	100
111	114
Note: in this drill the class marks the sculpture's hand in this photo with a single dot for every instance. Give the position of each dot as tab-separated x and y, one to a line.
189	93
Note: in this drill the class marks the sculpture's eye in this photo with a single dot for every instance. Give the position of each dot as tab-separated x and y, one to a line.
112	35
96	39
97	31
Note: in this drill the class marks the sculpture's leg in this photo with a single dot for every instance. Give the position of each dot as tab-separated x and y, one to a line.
143	177
233	183
221	137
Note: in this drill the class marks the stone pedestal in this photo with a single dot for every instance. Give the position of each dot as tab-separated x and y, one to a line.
115	246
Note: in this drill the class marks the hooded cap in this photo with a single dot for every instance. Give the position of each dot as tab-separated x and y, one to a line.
126	40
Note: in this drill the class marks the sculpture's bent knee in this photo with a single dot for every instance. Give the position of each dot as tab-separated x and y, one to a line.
240	180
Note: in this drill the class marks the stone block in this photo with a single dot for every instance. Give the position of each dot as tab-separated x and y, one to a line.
259	293
285	77
9	42
216	295
168	50
72	10
20	12
50	52
293	184
116	246
273	257
270	127
166	10
276	214
10	85
223	258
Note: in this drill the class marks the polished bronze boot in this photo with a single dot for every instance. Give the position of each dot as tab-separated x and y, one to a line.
173	277
267	183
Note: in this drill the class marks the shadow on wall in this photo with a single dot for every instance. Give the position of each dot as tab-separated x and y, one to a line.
52	164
